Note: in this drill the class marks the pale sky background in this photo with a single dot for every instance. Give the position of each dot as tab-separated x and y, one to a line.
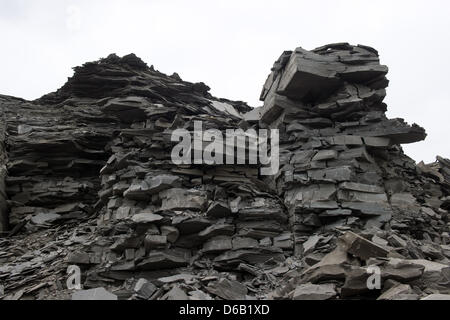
231	45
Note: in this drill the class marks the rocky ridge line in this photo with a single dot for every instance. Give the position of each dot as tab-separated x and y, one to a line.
90	183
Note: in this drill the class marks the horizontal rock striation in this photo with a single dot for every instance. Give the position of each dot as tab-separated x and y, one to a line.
87	180
340	155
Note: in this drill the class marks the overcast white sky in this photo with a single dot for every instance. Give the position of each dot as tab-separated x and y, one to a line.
231	45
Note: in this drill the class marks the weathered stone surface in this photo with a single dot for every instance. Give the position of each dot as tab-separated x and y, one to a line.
362	248
309	74
177	278
251	256
146	217
310	244
325	155
144	289
437	297
218	244
154	242
171	233
94	294
399	292
244	243
396	241
320	273
311	291
176	293
356	283
218	229
174	199
402	271
227	289
163	260
78	258
218	210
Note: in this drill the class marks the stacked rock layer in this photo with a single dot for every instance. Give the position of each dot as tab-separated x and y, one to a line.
340	155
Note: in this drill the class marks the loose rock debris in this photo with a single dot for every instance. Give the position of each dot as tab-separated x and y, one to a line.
86	179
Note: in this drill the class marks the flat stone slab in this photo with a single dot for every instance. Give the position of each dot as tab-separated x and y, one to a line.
311	291
94	294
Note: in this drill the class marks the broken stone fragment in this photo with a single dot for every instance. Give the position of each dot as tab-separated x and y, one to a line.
259	229
310	244
199	295
93	294
404	201
356	281
146	217
250	256
363	73
325	155
154	242
228	289
217	244
335	213
424	271
361	187
356	196
24	129
432	252
380	241
176	293
188	225
380	209
309	75
244	243
321	192
167	259
218	229
319	273
309	291
437	296
331	174
171	233
218	210
126	242
144	289
399	292
44	218
274	106
313	258
67	208
402	271
178	199
78	258
137	191
361	247
177	278
162	182
283	241
396	241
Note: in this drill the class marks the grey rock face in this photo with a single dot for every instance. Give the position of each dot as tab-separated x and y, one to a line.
94	294
314	292
86	179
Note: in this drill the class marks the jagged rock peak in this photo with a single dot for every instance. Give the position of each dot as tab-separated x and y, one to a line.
130	60
115	76
87	179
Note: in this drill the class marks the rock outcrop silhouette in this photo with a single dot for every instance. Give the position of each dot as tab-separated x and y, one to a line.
87	180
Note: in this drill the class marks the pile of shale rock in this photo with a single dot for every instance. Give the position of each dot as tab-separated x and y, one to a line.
87	180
